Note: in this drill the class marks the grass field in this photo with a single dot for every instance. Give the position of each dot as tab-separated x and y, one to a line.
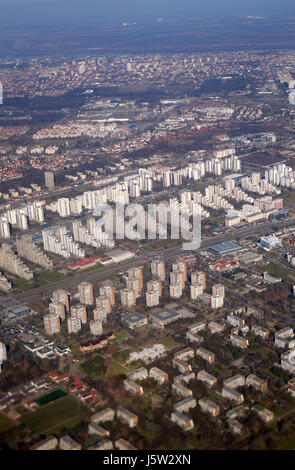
278	271
261	350
116	369
63	413
157	245
23	285
168	341
286	443
5	423
119	335
51	276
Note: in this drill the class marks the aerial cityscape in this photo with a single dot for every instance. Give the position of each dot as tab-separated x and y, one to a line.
147	235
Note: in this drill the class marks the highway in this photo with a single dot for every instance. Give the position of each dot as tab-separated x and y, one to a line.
104	272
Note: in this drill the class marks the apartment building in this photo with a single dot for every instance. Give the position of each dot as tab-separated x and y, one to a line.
127	417
209	406
132	387
234	382
185	405
206	355
257	383
182	420
208	379
181	390
158	375
232	395
108	414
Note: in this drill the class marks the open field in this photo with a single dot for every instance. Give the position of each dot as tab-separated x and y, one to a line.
5	423
62	413
116	369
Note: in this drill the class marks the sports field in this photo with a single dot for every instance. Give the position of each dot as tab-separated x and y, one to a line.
49	397
63	413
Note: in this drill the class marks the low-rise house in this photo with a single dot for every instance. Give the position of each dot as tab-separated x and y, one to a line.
182	420
208	379
209	406
127	416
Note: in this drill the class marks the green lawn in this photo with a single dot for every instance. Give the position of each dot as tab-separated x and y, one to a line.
286	443
116	369
62	413
168	341
277	271
24	285
51	276
119	335
157	245
5	423
261	350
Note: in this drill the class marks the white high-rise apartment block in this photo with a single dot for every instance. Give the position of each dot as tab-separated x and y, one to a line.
4	228
128	297
86	293
96	327
108	290
3	354
63	207
74	325
52	323
158	269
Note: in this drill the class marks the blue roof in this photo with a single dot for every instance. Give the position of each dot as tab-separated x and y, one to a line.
134	317
225	247
164	314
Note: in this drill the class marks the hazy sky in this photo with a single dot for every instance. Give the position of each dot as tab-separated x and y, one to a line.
30	12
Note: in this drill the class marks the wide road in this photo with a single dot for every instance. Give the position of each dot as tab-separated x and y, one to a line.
104	272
